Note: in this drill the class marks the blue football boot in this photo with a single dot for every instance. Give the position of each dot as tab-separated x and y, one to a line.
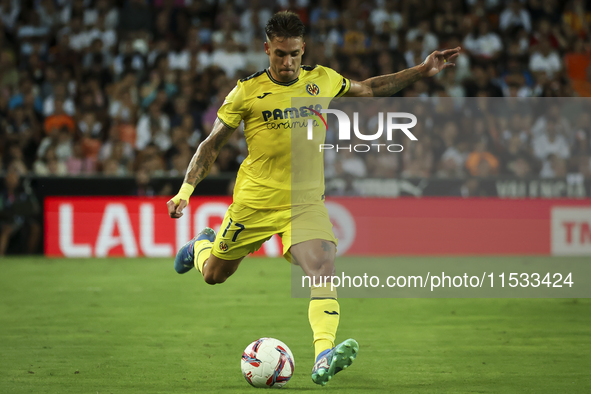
184	260
332	361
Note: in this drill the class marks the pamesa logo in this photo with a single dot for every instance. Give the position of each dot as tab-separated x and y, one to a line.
344	127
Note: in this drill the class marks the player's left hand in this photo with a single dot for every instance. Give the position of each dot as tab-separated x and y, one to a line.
440	60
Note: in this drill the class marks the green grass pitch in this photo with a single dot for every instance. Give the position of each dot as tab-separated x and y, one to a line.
135	326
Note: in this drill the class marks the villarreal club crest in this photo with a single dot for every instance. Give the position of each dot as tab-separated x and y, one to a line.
312	89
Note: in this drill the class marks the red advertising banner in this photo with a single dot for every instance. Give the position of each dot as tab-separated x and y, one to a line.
131	226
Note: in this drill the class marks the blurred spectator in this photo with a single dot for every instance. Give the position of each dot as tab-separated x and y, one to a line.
550	32
451	163
550	143
79	38
115	83
554	167
351	163
355	40
255	17
180	162
577	17
228	58
226	160
31	31
551	114
130	57
326	11
103	9
24	93
480	162
481	85
59	101
59	119
517	159
59	141
483	43
472	188
545	59
18	216
515	15
347	188
582	135
14	159
417	159
150	159
520	167
9	13
423	34
153	127
449	20
144	188
79	163
8	70
383	166
583	166
577	62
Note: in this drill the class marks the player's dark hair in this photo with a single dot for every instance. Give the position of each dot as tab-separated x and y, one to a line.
284	24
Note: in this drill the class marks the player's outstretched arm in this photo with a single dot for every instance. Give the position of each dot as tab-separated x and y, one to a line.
387	85
199	167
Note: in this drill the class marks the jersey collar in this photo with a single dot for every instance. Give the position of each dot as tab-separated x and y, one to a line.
281	83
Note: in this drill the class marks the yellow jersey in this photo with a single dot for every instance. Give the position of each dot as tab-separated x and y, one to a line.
265	105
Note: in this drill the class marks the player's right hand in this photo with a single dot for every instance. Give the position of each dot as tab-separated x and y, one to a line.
179	202
176	210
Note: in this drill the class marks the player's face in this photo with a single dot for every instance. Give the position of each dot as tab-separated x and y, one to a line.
285	57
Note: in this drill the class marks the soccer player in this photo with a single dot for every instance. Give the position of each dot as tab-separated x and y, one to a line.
262	204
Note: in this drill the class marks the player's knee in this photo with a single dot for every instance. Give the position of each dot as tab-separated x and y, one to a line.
322	265
213	277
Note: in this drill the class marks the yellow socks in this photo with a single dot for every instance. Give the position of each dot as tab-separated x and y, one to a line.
323	314
202	251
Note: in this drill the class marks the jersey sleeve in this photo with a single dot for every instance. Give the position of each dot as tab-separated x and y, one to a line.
234	109
339	85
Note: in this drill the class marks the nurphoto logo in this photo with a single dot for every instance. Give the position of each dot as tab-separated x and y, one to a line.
345	130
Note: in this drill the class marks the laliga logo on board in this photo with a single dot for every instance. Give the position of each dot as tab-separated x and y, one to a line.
345	129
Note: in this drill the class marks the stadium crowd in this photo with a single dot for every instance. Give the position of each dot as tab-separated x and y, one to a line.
121	87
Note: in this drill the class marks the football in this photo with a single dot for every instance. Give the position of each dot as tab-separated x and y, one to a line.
267	362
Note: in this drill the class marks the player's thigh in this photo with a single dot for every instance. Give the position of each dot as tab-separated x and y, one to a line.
309	223
243	231
311	241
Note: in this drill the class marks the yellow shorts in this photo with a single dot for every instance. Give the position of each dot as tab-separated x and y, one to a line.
244	230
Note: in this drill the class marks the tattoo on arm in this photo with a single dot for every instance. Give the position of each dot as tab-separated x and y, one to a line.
207	152
327	246
387	85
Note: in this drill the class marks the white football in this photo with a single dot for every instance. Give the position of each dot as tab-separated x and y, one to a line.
267	362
